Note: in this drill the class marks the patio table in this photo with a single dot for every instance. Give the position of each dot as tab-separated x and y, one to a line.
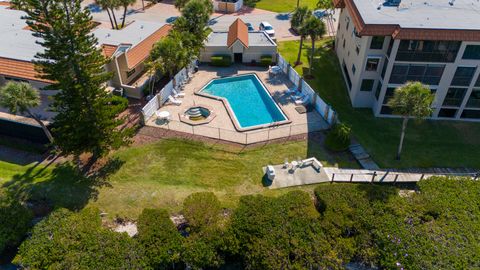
162	115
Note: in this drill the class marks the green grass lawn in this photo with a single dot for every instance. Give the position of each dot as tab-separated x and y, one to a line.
427	143
160	174
281	5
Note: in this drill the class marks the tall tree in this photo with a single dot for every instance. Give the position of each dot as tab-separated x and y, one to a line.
169	55
125	4
72	60
299	16
329	8
315	29
21	97
105	5
179	4
193	24
412	100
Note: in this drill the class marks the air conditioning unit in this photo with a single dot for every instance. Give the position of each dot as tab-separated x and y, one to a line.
118	92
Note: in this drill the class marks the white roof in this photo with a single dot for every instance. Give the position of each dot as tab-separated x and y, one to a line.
431	14
257	38
18	42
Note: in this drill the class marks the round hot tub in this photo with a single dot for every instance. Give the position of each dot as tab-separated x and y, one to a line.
197	115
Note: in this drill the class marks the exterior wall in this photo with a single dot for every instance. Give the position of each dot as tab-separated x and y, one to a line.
255	53
118	65
352	56
249	54
208	52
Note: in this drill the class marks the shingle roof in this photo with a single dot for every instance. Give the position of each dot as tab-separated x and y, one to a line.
237	31
108	50
141	51
19	69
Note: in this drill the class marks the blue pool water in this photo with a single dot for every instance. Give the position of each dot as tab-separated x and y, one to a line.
249	100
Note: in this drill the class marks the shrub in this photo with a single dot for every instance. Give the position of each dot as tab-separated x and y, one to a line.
202	210
160	238
221	60
117	104
15	221
274	232
68	240
265	60
338	139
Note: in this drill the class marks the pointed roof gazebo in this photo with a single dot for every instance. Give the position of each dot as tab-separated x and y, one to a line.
238	30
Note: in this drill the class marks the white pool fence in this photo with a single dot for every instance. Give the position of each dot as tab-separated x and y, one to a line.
324	109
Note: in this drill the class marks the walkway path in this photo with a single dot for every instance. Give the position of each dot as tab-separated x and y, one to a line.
308	175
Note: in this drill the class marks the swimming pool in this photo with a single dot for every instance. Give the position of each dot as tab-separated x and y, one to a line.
247	100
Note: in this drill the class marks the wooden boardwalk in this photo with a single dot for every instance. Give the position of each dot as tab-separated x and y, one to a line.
307	175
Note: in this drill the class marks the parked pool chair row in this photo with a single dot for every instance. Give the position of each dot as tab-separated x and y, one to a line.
174	101
301	99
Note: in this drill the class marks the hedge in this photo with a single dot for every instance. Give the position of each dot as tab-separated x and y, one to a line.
266	60
221	60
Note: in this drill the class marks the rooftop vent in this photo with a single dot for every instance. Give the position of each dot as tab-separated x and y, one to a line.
392	3
451	2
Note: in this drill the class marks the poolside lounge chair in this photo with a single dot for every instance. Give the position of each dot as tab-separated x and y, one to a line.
292	91
178	94
174	100
304	100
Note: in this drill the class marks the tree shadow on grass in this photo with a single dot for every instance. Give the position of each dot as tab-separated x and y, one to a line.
61	186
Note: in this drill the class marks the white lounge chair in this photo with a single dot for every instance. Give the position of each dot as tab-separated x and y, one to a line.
304	100
174	100
292	91
178	94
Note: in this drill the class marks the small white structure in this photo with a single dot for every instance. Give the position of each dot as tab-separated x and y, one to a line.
227	6
270	172
242	46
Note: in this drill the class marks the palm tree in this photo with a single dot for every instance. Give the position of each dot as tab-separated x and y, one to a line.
329	8
125	4
20	97
315	28
104	4
296	22
413	99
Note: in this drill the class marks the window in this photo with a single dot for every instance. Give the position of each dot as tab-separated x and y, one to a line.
346	26
344	43
390	46
474	99
384	68
130	72
357	49
463	76
377	42
388	95
428	74
447	113
427	51
471	52
367	85
454	97
347	77
353	69
473	114
386	110
372	64
379	89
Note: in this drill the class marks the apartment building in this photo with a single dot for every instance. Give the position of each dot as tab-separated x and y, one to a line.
382	45
126	49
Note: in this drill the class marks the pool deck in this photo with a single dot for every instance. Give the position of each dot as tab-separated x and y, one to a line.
222	126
